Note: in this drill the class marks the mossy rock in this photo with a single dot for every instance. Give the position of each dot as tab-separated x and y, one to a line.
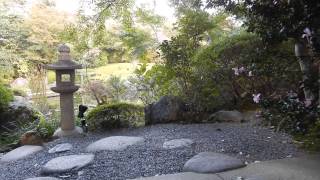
113	116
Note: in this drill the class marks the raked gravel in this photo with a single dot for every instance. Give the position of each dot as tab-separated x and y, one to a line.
243	141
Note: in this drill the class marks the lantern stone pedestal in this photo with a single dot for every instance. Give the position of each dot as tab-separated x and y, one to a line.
65	86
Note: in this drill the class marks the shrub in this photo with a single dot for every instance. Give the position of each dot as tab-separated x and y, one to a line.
46	128
19	92
6	96
118	115
288	113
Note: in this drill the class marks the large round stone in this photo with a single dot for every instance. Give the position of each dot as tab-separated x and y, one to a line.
20	153
210	162
177	143
67	163
114	143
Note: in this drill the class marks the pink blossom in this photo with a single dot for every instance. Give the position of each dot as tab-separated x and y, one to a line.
256	98
242	69
307	102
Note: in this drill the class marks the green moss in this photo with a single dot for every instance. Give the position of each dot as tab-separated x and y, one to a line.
117	115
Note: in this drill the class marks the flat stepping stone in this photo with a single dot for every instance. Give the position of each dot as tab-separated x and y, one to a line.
43	178
177	143
210	162
183	176
67	163
114	143
61	148
20	153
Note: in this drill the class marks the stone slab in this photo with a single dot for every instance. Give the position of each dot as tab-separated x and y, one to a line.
43	178
303	168
61	148
67	163
21	153
177	143
210	162
183	176
114	143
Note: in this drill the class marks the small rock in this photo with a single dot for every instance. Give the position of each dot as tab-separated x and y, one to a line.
67	163
210	162
61	148
20	153
176	143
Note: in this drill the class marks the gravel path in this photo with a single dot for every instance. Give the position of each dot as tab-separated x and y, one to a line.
239	140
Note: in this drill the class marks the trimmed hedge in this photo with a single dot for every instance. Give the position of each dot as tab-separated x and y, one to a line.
113	116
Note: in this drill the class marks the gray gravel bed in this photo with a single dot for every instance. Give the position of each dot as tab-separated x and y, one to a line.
149	159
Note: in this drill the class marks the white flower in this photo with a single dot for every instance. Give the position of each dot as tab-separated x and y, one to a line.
256	97
236	71
250	74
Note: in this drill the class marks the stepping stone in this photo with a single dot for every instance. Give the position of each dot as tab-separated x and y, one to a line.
210	162
43	178
183	176
21	153
176	143
114	143
61	148
67	163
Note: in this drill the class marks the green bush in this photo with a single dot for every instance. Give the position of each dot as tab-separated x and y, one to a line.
19	92
118	115
6	96
46	128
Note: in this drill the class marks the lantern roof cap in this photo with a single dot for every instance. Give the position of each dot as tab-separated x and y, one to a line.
64	65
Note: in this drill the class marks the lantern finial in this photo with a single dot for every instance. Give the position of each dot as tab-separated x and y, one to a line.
63	48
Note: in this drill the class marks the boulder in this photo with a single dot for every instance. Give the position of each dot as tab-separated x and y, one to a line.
210	162
167	109
31	138
17	115
226	116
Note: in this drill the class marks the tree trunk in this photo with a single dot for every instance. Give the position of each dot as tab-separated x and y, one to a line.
305	61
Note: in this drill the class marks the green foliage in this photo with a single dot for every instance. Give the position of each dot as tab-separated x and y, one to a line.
46	128
312	139
28	120
151	84
6	95
19	92
115	88
118	115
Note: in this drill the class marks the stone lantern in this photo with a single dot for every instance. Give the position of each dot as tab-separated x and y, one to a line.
65	86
